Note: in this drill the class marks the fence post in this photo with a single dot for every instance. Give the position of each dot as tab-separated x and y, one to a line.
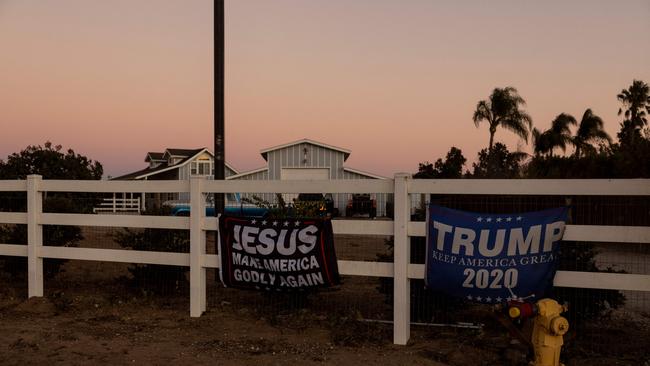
34	236
197	248
401	283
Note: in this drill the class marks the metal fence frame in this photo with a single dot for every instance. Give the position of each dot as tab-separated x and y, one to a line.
401	228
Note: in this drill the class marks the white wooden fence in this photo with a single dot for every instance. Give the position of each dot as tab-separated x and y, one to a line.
401	227
119	205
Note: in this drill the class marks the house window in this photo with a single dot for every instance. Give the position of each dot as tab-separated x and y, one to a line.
204	167
200	168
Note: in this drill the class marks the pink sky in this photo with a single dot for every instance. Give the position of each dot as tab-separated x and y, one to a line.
396	82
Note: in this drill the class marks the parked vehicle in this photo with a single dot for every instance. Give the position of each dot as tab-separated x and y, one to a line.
233	206
325	203
361	204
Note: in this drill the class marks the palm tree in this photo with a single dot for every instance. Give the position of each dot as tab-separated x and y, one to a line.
635	99
559	135
502	109
541	142
561	132
589	130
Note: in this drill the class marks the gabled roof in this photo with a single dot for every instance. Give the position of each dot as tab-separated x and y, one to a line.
182	152
361	172
140	174
346	152
154	156
243	174
144	172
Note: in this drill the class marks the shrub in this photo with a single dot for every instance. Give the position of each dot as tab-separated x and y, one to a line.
153	278
50	162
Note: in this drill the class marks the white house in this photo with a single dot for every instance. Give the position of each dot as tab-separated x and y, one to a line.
172	164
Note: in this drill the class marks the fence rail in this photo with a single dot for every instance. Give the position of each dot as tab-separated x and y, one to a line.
13	186
401	227
549	187
589	233
118	205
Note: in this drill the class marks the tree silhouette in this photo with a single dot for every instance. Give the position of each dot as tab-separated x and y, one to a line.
636	101
558	136
500	163
590	130
452	167
52	162
561	132
541	142
503	109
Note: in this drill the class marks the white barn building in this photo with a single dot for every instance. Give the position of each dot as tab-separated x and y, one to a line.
311	160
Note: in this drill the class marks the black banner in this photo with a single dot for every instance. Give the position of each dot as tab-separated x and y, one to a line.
277	254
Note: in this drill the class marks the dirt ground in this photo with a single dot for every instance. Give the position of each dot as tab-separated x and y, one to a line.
91	315
92	331
75	329
110	325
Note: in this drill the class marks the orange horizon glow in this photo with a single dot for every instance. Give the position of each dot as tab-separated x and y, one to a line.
395	82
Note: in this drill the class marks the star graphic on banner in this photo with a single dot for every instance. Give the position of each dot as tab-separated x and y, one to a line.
488	299
286	223
297	223
264	222
498	219
519	218
479	219
499	299
508	219
275	223
508	298
469	297
253	221
489	219
478	298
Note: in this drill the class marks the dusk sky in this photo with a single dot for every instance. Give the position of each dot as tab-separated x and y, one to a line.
395	82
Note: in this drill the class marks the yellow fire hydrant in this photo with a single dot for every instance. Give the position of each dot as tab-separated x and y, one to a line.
548	328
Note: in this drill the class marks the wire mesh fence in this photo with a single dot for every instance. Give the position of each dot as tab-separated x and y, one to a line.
13	201
356	297
121	281
601	312
124	281
594	314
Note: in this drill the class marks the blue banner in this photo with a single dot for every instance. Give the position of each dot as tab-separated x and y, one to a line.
492	258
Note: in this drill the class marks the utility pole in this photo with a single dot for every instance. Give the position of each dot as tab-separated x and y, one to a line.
219	133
